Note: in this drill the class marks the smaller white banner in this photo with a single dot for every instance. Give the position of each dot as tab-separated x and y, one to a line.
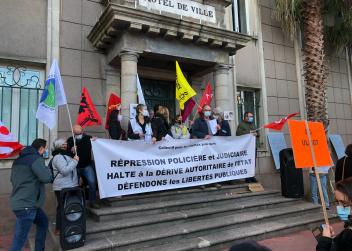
183	8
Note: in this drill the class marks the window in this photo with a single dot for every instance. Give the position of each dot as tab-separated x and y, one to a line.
239	15
20	91
248	100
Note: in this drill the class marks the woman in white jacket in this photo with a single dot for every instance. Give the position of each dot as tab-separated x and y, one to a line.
64	172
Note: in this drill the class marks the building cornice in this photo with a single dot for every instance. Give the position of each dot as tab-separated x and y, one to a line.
117	19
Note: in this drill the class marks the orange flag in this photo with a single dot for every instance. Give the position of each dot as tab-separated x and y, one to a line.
87	114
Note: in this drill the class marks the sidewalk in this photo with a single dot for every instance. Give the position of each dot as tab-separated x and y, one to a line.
303	240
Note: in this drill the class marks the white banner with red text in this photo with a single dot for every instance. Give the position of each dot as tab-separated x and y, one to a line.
131	167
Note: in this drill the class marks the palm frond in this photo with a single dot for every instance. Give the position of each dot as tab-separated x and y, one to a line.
288	13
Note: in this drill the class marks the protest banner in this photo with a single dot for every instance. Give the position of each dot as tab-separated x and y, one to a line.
301	147
277	143
131	167
338	145
310	150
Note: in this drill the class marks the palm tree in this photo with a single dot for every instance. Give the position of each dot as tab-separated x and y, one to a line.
317	18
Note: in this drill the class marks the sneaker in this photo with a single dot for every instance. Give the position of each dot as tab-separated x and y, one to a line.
94	205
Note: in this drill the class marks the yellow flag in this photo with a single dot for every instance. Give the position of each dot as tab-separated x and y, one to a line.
183	90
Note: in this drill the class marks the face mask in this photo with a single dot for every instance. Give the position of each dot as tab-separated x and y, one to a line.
207	113
343	212
250	119
119	117
216	117
145	113
46	154
79	136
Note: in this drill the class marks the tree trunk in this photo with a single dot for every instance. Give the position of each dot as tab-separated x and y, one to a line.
315	70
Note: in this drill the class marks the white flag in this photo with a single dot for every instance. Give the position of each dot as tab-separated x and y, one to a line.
53	96
141	99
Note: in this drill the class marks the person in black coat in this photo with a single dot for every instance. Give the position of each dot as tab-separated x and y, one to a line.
344	165
200	127
115	129
343	241
85	166
161	123
224	127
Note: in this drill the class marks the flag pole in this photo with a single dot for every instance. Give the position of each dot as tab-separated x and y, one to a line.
317	174
73	136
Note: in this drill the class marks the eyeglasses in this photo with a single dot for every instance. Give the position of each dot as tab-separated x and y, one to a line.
207	110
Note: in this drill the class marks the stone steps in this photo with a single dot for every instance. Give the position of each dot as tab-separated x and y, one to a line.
172	235
177	194
171	205
216	210
193	219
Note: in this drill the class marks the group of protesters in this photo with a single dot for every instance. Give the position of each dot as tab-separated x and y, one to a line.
72	166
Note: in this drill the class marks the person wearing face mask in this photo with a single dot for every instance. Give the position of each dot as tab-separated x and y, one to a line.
247	127
223	126
139	128
114	123
85	166
28	177
343	241
65	174
161	123
201	126
179	130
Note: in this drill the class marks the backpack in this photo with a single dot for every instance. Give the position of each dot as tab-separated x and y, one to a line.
51	168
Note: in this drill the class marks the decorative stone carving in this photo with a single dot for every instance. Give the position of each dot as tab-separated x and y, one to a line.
117	19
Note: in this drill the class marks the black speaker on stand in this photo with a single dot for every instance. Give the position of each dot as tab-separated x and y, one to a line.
73	218
291	177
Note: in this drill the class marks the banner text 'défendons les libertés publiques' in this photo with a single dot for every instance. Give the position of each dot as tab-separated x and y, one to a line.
131	167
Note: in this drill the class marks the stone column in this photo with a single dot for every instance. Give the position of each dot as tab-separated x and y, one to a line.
222	88
129	61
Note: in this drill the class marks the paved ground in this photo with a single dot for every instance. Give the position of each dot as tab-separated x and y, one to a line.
5	242
303	240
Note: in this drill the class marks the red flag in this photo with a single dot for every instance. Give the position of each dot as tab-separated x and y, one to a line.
277	125
9	145
87	114
206	98
188	109
114	101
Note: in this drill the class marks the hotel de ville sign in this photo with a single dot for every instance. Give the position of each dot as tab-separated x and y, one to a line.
183	8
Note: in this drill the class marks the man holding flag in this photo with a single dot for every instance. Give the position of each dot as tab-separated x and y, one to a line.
245	127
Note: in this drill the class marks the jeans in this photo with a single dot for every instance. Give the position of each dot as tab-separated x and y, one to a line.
314	188
89	173
24	220
58	211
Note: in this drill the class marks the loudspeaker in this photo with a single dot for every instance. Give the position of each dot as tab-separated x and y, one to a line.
291	177
73	218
